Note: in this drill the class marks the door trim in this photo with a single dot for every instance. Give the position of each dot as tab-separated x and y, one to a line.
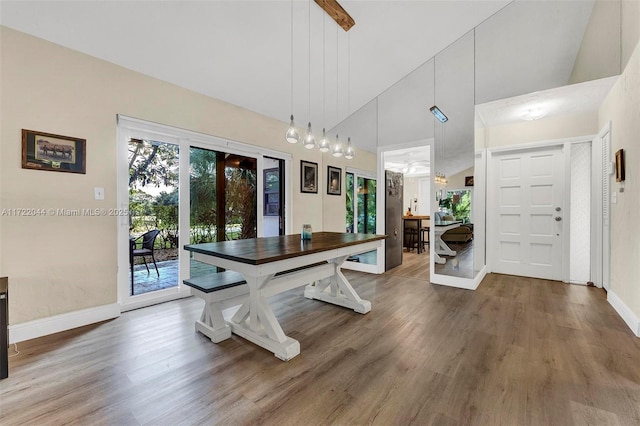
600	242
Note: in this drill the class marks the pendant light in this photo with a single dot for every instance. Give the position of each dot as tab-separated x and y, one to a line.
309	140
337	148
349	153
292	136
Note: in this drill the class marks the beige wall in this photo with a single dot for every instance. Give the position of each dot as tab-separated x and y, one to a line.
457	181
545	129
609	39
622	109
63	264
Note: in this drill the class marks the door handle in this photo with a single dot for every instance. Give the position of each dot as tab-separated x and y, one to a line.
558	218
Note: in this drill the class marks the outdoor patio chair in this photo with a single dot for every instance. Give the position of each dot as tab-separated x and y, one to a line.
146	249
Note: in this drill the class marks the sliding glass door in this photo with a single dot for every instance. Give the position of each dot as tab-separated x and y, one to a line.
185	188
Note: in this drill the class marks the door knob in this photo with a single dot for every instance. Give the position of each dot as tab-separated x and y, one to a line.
558	218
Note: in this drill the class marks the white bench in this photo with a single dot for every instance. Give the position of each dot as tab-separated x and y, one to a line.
227	289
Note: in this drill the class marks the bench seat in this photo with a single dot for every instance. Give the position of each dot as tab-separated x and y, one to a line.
216	282
227	279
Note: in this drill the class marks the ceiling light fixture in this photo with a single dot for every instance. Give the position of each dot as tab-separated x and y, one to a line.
292	136
533	114
438	114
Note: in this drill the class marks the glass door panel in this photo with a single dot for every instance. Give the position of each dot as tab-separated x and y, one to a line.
223	200
153	215
273	196
203	209
361	214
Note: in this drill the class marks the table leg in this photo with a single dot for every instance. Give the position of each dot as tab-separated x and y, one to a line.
256	322
442	248
337	290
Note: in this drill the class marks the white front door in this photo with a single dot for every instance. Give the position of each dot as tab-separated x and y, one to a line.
525	219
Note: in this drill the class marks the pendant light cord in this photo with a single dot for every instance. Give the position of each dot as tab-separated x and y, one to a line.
324	76
291	57
309	25
348	73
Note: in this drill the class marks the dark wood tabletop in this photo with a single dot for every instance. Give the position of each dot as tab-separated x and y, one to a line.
257	251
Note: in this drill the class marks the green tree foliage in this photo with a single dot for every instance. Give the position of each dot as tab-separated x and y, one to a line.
349	197
165	211
242	200
203	195
152	163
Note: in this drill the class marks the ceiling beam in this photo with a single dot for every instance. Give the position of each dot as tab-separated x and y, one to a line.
333	9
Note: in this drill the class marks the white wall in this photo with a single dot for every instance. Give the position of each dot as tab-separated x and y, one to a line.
609	40
622	108
58	265
409	193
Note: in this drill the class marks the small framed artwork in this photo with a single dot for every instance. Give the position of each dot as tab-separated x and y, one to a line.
334	180
468	181
308	177
620	165
56	153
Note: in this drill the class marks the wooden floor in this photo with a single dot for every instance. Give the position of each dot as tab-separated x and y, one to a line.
514	352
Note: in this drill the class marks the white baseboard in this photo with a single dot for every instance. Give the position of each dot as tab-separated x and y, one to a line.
464	283
623	310
57	323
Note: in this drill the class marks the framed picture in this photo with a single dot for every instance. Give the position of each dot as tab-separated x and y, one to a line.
620	165
468	181
308	177
46	151
334	180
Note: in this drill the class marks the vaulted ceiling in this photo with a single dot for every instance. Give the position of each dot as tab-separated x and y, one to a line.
239	51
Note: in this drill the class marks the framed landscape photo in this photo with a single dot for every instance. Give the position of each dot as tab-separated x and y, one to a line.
334	180
308	177
57	153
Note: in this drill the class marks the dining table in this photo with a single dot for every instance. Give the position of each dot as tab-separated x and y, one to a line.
272	265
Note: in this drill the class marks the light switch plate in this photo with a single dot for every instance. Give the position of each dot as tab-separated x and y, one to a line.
98	193
614	198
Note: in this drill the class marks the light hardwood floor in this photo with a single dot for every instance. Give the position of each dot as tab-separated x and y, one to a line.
516	351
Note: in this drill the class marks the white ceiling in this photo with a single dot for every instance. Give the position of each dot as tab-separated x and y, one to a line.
415	158
239	51
566	100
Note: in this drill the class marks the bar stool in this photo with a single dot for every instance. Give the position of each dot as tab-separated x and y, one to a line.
425	232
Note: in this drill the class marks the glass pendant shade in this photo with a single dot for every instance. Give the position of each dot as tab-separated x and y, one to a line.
309	141
349	153
324	145
337	148
292	135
